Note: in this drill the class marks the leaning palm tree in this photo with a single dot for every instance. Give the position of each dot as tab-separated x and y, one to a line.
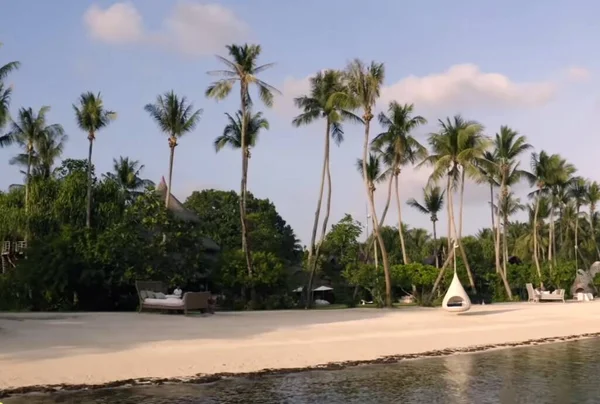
433	203
325	101
364	84
592	198
175	117
577	191
398	148
126	174
242	68
510	206
28	131
91	116
457	149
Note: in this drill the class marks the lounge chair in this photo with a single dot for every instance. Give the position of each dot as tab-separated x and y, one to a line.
533	295
147	291
537	296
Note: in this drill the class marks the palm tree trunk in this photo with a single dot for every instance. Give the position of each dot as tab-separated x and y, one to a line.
535	241
448	190
497	235
88	212
245	248
492	210
28	179
170	180
398	206
386	265
505	244
387	202
312	260
435	247
459	235
441	273
592	214
576	240
551	234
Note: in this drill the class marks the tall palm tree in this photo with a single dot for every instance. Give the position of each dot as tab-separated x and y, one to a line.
577	191
91	116
433	203
5	93
175	117
364	83
399	148
242	68
592	198
457	150
324	102
28	131
126	173
547	171
508	146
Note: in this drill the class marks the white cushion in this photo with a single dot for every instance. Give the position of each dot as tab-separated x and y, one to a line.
160	295
164	302
173	297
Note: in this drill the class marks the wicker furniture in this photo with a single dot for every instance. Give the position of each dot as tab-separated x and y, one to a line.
189	301
536	296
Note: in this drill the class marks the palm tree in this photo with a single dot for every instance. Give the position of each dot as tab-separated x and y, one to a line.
374	174
91	117
5	93
324	102
508	146
175	117
488	173
457	150
510	206
577	191
232	134
28	131
126	173
364	83
399	148
242	68
47	149
9	67
433	202
592	198
547	171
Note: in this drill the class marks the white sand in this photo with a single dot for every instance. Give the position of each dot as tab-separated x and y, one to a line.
45	348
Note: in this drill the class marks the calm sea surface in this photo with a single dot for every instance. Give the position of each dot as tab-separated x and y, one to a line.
559	373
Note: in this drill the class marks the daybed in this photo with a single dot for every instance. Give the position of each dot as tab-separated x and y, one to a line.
153	295
537	296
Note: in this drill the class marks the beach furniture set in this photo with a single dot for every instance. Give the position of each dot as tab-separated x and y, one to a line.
154	296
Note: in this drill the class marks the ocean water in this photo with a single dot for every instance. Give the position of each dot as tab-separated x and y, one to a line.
558	373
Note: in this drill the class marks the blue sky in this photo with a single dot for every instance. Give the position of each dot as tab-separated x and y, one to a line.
530	65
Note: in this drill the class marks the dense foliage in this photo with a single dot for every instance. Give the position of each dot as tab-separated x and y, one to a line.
89	236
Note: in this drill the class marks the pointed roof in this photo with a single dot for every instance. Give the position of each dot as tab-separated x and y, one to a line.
182	213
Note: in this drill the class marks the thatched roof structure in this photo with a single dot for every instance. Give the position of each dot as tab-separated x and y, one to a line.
182	213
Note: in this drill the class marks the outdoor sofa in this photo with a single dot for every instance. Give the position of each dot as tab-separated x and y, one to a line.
537	296
153	296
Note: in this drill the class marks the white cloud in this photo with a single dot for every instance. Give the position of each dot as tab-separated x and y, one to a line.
577	73
119	23
466	85
290	89
191	28
460	86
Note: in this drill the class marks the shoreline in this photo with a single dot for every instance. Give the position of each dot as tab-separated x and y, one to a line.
332	366
48	352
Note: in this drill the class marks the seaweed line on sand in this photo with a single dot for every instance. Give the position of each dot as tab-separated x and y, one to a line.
210	378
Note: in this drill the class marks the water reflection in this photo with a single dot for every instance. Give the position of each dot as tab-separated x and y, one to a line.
559	373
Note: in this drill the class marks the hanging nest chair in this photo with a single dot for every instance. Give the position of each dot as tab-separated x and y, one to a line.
456	299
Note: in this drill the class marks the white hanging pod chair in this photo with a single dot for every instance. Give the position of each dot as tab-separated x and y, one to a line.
456	299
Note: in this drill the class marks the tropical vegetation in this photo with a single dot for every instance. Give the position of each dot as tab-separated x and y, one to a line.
90	235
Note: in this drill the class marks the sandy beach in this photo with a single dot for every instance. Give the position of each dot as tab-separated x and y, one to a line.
96	348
